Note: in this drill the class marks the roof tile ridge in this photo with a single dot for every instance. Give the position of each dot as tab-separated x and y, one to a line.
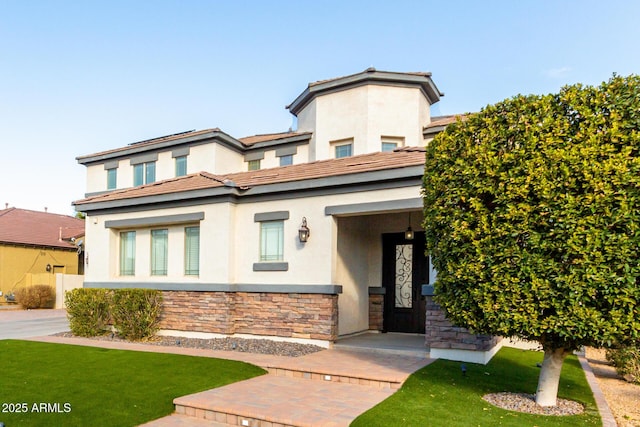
7	210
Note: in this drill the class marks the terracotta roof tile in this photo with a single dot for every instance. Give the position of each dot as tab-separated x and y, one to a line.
21	226
404	157
254	139
445	120
151	142
371	69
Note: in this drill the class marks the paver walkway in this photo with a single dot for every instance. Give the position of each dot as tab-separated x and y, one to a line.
327	388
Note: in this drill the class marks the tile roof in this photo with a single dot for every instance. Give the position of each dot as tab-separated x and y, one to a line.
151	142
21	226
445	120
401	158
371	70
254	139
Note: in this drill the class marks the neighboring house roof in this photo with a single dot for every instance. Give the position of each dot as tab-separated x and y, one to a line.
383	162
439	123
25	227
370	75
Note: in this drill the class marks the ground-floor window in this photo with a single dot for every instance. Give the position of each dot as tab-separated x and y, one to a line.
192	251
128	253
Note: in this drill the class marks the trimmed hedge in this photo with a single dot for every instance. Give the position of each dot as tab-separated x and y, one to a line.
134	313
36	296
626	360
89	311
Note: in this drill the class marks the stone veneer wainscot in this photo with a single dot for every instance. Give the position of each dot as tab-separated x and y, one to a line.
294	315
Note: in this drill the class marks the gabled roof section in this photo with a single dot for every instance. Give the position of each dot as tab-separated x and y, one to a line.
368	76
164	143
242	183
26	227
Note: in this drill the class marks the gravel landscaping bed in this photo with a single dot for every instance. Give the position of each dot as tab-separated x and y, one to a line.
523	402
261	346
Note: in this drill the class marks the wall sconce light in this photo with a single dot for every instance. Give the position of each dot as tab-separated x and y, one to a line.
408	235
303	231
48	267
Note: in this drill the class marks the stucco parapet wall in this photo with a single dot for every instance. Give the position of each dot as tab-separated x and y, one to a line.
223	287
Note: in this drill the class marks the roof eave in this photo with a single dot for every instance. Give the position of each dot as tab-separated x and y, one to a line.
222	137
344	180
423	80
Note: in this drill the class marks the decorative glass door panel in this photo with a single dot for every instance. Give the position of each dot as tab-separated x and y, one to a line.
404	270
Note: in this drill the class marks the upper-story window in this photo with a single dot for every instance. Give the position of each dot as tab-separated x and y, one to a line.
390	143
144	173
112	178
181	166
285	154
342	148
253	165
286	160
180	156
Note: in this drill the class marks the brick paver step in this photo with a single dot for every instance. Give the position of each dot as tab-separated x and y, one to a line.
271	400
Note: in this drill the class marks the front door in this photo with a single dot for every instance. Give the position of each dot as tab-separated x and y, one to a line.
405	268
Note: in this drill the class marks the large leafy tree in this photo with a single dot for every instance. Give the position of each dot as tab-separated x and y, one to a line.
532	217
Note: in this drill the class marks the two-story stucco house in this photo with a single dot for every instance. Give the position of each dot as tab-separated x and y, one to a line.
313	234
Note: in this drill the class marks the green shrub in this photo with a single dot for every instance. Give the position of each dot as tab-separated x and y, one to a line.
626	360
89	311
136	312
36	296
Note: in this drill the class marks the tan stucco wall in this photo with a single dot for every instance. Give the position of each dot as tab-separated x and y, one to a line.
18	262
229	241
213	158
366	114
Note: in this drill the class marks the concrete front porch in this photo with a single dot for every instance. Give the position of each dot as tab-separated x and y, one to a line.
385	343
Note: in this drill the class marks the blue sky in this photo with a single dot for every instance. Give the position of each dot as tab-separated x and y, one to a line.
78	77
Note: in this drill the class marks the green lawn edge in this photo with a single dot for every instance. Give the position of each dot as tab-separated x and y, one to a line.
74	385
440	395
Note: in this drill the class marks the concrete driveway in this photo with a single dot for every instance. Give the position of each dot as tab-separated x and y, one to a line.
32	323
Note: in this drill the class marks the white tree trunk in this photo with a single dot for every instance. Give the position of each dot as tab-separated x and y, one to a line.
549	379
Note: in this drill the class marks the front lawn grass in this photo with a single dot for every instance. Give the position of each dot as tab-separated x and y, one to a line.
439	395
101	387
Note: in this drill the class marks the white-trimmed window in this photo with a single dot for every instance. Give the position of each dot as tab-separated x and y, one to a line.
342	148
159	252
128	253
390	143
271	241
192	251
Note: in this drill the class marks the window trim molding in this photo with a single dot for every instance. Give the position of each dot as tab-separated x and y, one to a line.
179	152
271	266
287	151
154	221
151	157
111	165
271	216
256	155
